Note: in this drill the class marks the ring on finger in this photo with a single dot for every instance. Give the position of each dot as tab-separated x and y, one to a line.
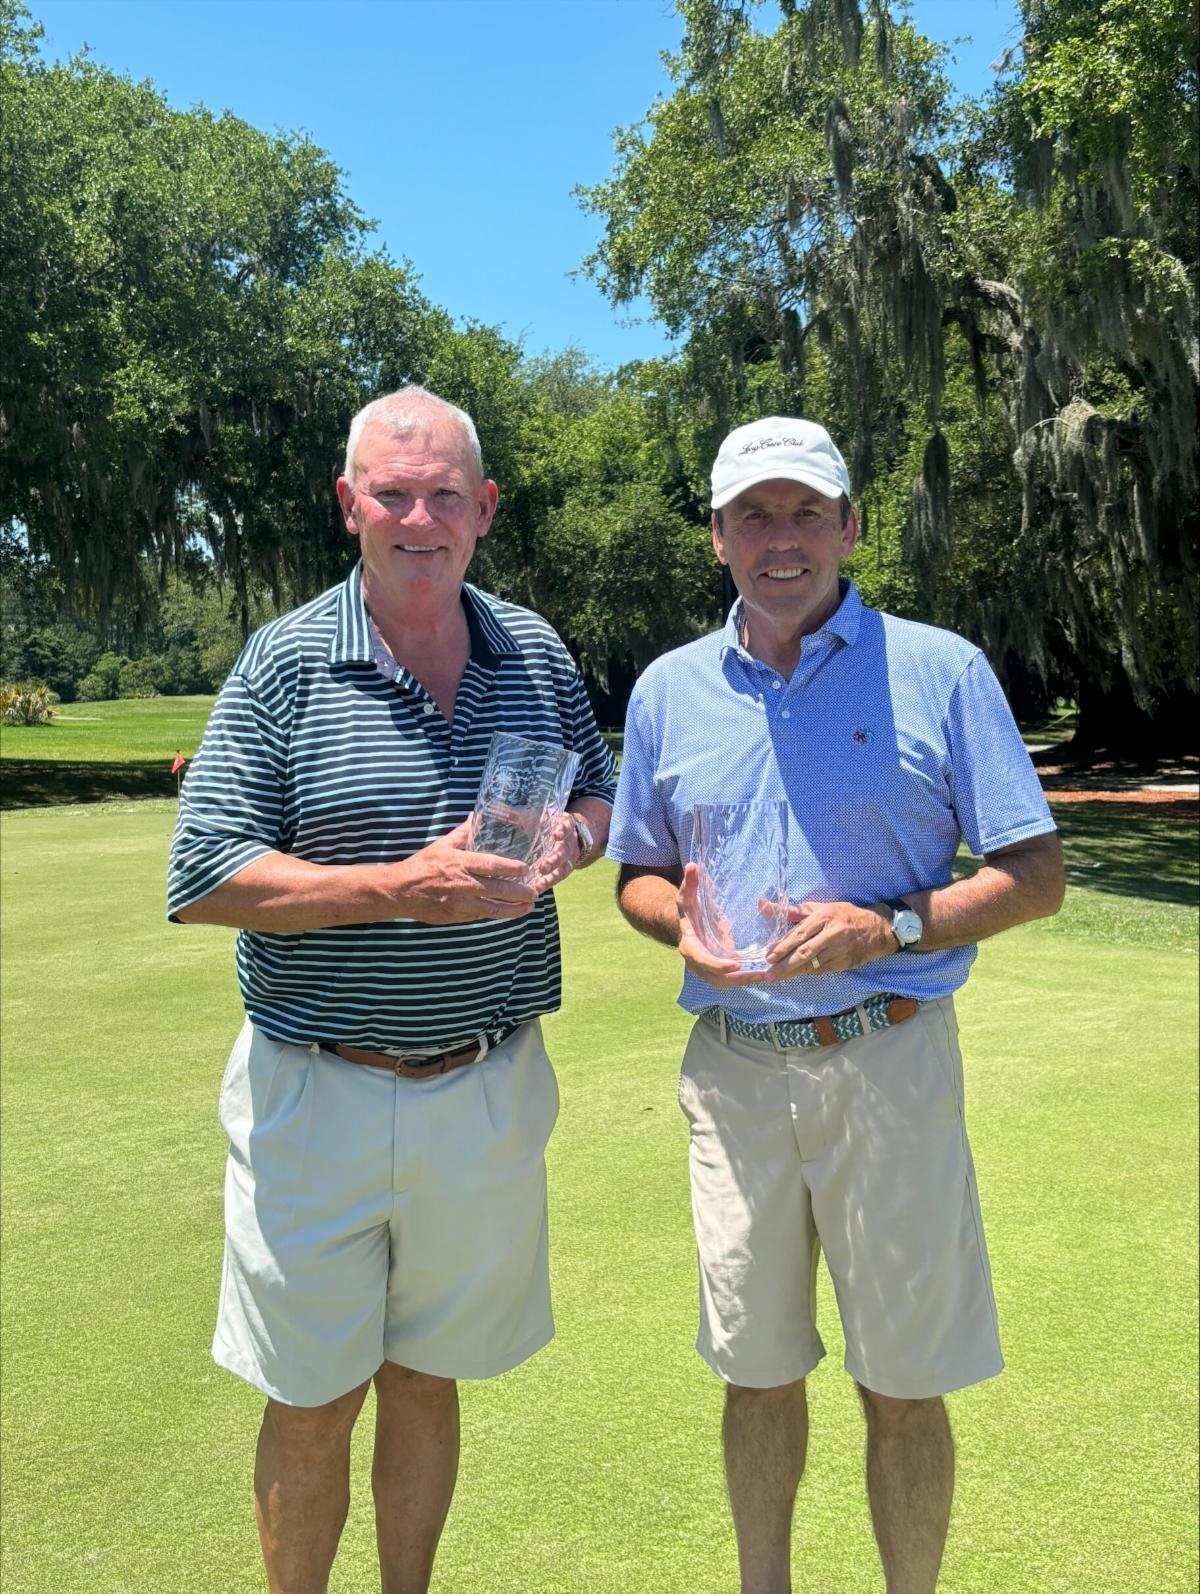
814	963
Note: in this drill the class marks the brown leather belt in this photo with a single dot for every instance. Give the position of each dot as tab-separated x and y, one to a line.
421	1065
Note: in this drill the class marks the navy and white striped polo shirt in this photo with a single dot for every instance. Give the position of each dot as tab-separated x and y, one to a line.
891	742
311	751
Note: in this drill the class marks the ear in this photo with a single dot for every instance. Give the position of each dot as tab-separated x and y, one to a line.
849	535
718	540
345	495
486	501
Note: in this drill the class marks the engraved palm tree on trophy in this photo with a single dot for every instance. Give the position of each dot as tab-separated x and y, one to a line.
741	852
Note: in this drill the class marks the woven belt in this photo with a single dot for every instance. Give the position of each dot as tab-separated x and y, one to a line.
871	1014
418	1064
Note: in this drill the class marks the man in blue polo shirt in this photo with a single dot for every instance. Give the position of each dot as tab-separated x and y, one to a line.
389	1100
824	1092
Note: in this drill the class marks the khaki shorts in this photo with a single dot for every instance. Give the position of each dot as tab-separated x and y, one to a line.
371	1218
858	1150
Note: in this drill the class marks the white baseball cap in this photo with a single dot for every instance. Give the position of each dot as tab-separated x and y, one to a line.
778	449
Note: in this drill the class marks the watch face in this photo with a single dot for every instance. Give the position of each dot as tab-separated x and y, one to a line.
907	926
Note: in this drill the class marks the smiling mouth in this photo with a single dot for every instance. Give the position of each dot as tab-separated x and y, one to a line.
416	547
785	572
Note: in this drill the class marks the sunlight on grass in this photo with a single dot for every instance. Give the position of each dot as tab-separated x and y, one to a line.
90	752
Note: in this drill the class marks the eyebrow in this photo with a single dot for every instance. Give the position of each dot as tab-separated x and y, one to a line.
454	481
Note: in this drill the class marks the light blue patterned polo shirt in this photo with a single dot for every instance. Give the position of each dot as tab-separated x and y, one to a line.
891	742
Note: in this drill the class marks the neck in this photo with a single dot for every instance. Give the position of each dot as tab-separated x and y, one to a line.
775	641
413	630
772	645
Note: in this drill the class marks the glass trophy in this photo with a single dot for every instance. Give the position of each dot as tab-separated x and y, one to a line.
524	788
741	851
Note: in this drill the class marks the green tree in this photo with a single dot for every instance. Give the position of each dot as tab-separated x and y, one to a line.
189	324
834	234
614	553
1096	127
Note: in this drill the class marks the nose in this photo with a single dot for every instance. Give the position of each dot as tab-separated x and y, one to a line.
419	514
782	533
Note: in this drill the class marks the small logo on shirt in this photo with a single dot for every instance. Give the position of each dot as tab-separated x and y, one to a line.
862	737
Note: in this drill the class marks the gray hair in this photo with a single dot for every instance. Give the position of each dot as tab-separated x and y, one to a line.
407	411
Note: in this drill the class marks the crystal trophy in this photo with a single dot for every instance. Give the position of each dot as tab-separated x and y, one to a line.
524	789
741	851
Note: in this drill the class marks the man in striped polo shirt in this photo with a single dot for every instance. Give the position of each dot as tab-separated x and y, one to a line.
389	1100
824	1090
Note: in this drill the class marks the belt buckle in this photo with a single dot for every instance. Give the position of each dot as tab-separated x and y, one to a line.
406	1064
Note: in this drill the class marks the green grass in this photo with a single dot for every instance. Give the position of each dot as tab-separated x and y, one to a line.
91	751
593	1469
1057	725
1134	874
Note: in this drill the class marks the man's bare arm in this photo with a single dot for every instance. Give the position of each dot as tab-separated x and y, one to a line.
662	903
649	899
441	884
1013	886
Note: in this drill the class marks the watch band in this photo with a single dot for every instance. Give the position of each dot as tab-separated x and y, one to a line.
583	836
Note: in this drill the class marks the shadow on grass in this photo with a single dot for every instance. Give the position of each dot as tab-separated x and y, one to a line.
1130	851
1125	850
30	783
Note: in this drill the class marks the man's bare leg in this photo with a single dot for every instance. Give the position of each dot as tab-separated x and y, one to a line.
910	1483
414	1472
302	1489
766	1438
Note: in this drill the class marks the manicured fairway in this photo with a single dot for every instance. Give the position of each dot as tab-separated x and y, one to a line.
93	750
594	1469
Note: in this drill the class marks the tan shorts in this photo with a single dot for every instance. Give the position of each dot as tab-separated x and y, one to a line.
370	1218
859	1150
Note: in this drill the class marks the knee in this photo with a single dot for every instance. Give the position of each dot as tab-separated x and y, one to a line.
740	1397
306	1428
887	1411
404	1385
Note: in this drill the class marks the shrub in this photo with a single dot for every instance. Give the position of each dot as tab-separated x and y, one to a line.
58	654
26	703
92	689
107	670
141	678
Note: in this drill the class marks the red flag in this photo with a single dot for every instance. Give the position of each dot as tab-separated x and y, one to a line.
180	761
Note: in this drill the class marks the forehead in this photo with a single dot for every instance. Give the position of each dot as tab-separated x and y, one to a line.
778	493
437	445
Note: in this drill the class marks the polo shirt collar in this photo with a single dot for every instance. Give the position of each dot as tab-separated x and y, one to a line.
843	623
491	640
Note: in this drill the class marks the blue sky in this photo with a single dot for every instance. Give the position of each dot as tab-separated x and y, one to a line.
462	126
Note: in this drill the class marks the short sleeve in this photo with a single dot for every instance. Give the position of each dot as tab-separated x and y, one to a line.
641	833
597	767
995	791
230	810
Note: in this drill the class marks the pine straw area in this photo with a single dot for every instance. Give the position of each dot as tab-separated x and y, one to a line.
1168	786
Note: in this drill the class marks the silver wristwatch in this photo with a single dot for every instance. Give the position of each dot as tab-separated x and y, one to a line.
907	924
583	836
